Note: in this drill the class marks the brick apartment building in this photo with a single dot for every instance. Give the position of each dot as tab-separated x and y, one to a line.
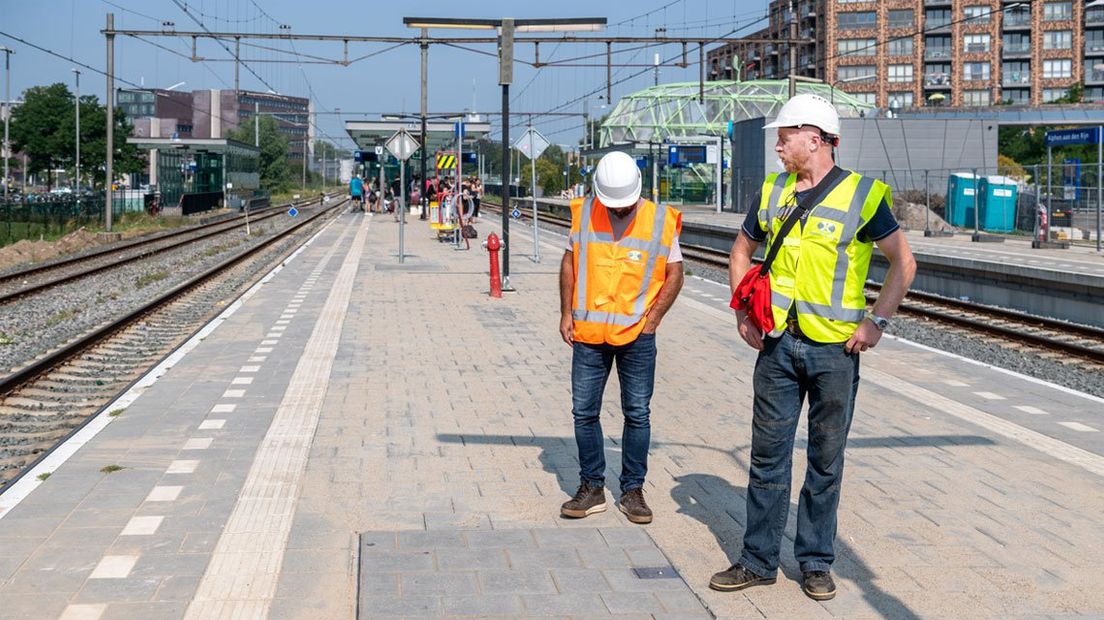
158	113
931	52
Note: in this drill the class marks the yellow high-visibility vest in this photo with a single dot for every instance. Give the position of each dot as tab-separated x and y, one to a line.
616	282
822	265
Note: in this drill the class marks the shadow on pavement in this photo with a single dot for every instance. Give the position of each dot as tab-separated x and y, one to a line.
557	454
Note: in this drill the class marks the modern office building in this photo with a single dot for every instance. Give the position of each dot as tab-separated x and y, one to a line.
158	113
931	52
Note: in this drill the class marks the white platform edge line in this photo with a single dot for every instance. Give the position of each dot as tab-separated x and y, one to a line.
29	482
1032	439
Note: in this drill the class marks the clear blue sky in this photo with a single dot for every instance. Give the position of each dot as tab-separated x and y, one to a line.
386	82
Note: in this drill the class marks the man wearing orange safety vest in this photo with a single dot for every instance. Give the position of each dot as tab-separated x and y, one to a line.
620	274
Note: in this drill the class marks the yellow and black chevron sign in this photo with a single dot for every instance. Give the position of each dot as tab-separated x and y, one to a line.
446	161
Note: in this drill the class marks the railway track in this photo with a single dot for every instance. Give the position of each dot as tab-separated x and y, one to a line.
53	396
1056	340
16	284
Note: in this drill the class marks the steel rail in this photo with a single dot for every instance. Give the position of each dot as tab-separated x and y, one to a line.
58	356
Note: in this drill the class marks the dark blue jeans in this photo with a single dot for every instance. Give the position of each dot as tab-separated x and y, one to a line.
590	368
788	370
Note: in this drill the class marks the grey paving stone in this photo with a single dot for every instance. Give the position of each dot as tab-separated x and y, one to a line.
131	589
144	611
419	606
508	605
646	557
177	588
679	601
627	581
379	583
600	557
170	564
471	559
410	541
516	581
544	559
632	603
564	603
32	605
439	583
396	561
449	521
317	561
568	537
580	580
512	539
626	536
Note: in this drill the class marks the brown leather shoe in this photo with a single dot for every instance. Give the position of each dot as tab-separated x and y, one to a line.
588	500
635	508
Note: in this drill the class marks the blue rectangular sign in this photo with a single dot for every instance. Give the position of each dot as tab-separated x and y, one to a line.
1064	137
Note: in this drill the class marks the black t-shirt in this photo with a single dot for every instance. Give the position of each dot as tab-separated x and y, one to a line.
879	227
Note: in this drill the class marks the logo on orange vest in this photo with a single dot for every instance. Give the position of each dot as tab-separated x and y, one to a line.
636	255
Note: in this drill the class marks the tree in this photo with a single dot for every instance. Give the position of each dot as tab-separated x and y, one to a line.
44	128
275	173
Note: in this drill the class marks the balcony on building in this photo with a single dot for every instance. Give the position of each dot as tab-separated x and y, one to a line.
1094	71
937	53
1016	50
1094	47
1094	16
937	3
1016	20
937	25
937	81
1016	79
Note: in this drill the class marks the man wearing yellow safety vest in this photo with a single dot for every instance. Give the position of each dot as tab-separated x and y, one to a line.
620	274
821	327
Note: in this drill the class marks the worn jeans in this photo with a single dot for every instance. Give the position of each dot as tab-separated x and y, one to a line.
590	368
788	370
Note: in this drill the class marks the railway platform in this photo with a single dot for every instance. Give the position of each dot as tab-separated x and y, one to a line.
363	438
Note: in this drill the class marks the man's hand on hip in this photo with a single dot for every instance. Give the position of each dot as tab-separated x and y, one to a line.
567	329
866	336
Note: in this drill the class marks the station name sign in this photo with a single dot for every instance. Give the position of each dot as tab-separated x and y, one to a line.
1065	137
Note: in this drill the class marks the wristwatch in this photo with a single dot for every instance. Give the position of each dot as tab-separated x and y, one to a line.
878	321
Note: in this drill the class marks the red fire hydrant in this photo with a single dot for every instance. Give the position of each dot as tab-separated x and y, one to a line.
493	245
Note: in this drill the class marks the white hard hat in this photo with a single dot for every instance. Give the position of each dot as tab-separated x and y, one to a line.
617	180
808	109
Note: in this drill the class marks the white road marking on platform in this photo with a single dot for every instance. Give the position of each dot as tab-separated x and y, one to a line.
211	425
142	526
264	350
257	358
114	567
249	369
268	343
223	408
84	611
1079	427
242	381
1031	410
283	322
287	316
245	566
989	396
233	394
956	383
198	443
1049	446
164	494
182	467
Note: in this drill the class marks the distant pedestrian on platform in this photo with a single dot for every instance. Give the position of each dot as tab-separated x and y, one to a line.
821	325
356	191
620	274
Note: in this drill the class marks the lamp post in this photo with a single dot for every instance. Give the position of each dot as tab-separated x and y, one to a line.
76	169
506	28
7	113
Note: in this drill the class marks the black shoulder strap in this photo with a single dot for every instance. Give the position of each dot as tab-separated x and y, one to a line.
811	199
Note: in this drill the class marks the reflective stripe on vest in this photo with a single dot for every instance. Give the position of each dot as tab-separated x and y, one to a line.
656	247
826	314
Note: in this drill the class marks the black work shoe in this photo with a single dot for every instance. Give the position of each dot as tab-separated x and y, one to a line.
818	585
635	508
737	578
588	500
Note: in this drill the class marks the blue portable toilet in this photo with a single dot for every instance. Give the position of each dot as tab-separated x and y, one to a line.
959	211
998	203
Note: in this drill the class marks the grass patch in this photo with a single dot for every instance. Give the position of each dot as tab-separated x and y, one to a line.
61	317
139	223
689	272
6	339
150	278
222	247
114	413
43	476
110	469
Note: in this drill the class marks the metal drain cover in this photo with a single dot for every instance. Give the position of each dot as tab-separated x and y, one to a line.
657	572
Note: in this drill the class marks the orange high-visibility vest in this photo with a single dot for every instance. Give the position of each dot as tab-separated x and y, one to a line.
617	282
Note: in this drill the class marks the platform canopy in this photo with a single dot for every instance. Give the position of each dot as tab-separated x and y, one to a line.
669	110
208	145
441	134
